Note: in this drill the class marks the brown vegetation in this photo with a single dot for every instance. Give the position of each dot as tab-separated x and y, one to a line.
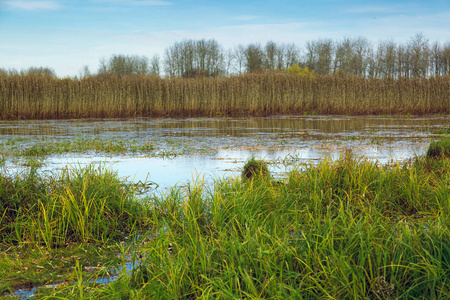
34	96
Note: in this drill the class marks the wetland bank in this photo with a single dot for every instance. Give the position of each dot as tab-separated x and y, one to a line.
327	222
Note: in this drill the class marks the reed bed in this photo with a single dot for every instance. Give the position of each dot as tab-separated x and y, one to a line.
43	97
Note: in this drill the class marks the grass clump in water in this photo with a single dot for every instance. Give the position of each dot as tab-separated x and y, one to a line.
443	131
440	148
254	169
49	222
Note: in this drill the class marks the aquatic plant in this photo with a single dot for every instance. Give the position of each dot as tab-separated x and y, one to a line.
439	148
443	131
255	168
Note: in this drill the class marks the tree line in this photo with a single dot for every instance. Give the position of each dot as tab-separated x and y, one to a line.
418	57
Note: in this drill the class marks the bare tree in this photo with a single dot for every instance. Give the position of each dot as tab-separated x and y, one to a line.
446	58
85	72
270	55
436	59
419	53
124	65
291	55
155	65
191	58
44	71
253	58
362	49
103	66
319	55
344	56
281	56
239	59
229	59
386	59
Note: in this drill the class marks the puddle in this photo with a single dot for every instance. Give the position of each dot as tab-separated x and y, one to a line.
25	293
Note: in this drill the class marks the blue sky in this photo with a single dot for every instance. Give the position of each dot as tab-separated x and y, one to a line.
67	34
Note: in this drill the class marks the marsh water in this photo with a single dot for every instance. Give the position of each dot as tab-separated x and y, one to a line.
184	149
217	147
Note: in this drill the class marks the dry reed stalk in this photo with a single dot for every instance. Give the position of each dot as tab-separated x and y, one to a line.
43	97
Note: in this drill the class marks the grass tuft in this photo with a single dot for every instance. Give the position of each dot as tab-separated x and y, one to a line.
254	169
77	205
440	148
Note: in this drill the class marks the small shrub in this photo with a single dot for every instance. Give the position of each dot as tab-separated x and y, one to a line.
255	168
298	71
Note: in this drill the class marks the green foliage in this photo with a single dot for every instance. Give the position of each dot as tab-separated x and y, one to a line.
443	131
254	169
345	229
76	205
440	148
298	71
349	229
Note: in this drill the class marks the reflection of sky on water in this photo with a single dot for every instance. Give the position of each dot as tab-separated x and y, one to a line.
306	140
167	172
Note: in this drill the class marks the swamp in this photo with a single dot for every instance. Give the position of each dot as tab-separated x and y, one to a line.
132	208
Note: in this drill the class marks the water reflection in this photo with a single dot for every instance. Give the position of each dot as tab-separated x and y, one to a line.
238	127
302	139
178	170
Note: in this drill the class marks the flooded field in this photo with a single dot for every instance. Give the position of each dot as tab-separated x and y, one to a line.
169	152
215	147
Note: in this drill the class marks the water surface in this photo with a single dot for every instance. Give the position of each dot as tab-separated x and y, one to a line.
218	147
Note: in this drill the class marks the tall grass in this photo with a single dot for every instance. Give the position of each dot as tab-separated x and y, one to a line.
346	229
77	205
41	97
350	229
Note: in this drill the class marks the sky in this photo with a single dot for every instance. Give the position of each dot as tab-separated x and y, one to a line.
66	35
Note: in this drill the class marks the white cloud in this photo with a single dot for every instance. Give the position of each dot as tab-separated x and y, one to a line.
32	5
